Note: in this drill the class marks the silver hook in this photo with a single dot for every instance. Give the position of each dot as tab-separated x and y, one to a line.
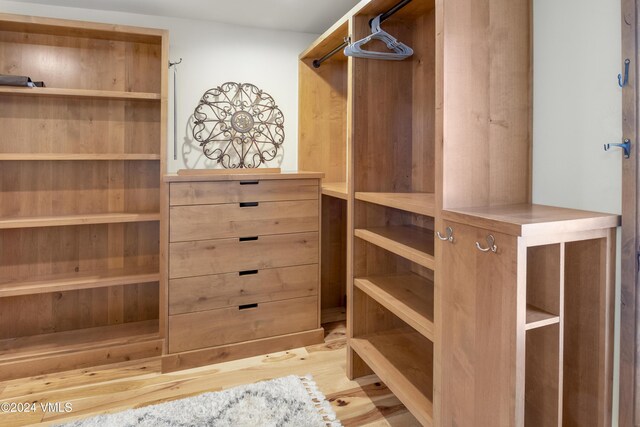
448	237
492	245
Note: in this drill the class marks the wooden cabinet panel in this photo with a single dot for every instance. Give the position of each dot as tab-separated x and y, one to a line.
241	323
232	289
202	222
249	190
479	299
232	255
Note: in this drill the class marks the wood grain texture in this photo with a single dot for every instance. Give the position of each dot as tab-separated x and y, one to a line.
487	103
201	222
479	329
543	382
410	242
333	253
234	289
236	324
629	406
231	255
249	190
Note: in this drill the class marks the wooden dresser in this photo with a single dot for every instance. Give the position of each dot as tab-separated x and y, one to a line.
243	267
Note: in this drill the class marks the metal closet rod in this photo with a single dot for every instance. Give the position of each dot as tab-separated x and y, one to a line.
388	14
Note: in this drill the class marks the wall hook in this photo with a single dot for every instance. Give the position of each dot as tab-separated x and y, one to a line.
623	82
626	146
171	64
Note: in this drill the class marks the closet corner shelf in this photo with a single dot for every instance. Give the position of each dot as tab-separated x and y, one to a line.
75	157
408	241
420	203
72	282
79	93
408	296
538	318
77	340
335	189
65	220
403	360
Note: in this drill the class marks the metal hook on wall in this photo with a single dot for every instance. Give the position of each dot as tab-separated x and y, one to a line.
623	82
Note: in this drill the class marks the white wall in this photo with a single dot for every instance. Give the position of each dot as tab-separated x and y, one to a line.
212	54
576	109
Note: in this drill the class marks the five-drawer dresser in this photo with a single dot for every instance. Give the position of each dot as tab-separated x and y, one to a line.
243	266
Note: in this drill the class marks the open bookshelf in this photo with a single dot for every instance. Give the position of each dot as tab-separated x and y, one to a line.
81	162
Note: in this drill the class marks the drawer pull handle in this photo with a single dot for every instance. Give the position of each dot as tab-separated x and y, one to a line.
247	306
255	182
248	239
248	272
491	241
249	204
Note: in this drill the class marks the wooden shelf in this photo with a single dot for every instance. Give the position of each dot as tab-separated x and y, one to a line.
72	156
77	340
66	282
403	359
65	220
408	296
78	93
537	318
420	203
335	189
408	241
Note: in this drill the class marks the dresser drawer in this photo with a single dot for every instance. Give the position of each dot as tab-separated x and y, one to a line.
205	193
188	259
241	323
201	222
233	289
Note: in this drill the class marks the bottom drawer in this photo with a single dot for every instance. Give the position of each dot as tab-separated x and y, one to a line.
243	323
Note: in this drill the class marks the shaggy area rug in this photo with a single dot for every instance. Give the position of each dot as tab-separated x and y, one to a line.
284	402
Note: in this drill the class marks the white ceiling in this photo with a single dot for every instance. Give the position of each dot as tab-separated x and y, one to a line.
308	16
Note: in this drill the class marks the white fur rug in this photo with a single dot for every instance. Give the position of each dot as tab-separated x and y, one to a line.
284	402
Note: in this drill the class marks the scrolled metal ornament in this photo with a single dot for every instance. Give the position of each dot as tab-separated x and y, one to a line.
238	126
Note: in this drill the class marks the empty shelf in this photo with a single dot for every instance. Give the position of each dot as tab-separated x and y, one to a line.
71	282
73	156
408	241
403	359
408	296
537	318
77	93
77	340
64	220
335	189
420	203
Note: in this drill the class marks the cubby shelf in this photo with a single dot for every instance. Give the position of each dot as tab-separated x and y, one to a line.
402	359
65	220
537	318
420	203
408	241
79	93
67	282
335	189
75	157
408	296
70	348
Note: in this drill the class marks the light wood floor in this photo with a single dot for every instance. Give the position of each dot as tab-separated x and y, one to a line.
127	385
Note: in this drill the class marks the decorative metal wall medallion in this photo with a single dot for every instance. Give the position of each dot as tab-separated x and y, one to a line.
238	126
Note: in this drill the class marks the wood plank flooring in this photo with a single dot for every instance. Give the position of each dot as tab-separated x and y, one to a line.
113	388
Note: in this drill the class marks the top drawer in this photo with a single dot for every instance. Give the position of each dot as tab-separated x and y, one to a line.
204	193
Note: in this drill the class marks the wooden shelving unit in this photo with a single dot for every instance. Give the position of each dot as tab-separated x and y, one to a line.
408	241
78	93
408	296
419	203
538	318
65	220
401	358
81	162
335	189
